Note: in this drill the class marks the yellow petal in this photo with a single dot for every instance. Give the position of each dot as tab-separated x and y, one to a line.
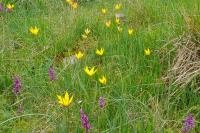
92	70
66	96
60	99
66	102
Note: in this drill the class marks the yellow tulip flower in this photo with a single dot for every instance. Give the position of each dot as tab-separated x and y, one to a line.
108	23
118	6
65	101
100	52
79	55
10	6
69	2
119	29
104	10
74	5
90	72
87	31
84	36
130	31
117	21
103	80
34	30
147	52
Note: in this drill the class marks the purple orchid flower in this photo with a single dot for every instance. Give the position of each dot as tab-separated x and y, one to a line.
189	123
17	85
51	73
1	7
102	102
85	121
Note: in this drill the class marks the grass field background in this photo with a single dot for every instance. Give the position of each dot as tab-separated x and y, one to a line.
137	99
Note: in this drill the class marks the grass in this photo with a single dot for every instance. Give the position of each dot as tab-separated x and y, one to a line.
137	99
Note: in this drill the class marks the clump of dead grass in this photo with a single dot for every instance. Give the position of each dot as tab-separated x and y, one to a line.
185	66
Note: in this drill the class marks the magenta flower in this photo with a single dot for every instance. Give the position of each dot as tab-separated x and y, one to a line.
17	85
189	123
85	121
1	7
102	102
51	73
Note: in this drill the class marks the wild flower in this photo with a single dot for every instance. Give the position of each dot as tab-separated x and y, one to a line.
84	36
117	20
103	80
34	30
118	6
74	5
102	102
66	100
91	71
85	121
1	7
130	31
104	10
189	123
51	73
70	2
87	31
17	85
147	52
108	24
119	29
79	55
100	52
10	7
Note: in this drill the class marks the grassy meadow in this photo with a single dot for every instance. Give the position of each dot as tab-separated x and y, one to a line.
137	98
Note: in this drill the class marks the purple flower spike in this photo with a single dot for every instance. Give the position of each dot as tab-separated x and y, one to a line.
189	123
17	85
51	73
1	7
85	121
102	102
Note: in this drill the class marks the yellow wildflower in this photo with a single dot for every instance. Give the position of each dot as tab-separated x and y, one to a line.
74	5
84	36
130	31
119	29
108	23
65	101
103	80
10	7
87	31
69	2
147	52
118	6
34	30
117	20
100	52
79	55
104	10
91	71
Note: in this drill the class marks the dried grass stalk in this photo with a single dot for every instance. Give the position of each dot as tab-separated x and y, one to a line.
186	64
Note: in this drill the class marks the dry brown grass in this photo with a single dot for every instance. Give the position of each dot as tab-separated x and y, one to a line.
186	64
